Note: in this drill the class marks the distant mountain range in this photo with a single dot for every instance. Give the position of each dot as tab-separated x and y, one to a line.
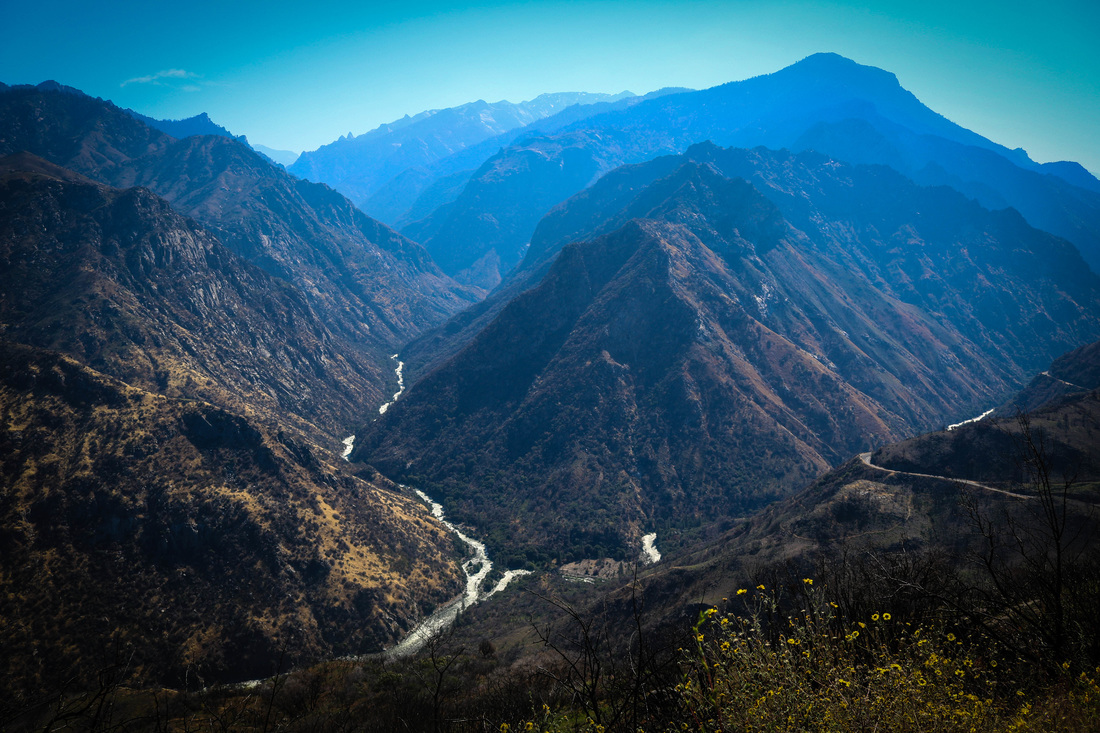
201	124
717	328
285	158
854	113
358	166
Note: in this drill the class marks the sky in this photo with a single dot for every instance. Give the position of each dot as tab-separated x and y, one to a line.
294	77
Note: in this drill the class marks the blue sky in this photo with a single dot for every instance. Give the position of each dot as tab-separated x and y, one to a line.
296	77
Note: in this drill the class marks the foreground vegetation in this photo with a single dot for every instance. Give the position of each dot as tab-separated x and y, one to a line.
997	634
789	654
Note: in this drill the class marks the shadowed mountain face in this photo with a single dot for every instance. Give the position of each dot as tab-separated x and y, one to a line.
1071	375
374	288
359	166
473	238
716	347
1059	408
854	113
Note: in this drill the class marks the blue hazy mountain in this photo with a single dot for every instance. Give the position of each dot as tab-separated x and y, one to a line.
714	329
418	191
358	165
848	111
284	158
201	124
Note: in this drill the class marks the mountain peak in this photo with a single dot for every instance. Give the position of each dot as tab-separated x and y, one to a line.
841	68
52	86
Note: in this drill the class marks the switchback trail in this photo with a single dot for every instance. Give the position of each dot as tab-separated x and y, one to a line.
866	458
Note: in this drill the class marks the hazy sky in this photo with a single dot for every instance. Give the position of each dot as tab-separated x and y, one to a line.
1022	74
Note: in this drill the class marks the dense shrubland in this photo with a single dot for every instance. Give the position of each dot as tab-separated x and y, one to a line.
858	643
997	633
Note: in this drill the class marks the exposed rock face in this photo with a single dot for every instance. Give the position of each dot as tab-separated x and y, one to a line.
121	282
373	288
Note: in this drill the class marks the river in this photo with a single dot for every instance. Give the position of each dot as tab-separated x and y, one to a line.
973	419
400	385
649	548
476	568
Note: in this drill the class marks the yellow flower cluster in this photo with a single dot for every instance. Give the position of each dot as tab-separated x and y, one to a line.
824	675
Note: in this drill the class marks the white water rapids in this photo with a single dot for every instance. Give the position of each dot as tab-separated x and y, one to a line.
477	568
349	442
649	548
973	419
400	385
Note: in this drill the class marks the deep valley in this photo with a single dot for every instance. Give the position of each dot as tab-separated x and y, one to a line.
769	406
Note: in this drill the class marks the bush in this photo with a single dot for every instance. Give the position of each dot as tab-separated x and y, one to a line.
818	672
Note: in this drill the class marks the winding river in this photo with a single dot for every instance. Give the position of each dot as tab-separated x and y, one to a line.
476	568
400	385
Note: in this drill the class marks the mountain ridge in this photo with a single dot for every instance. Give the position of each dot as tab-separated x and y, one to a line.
359	165
822	94
848	307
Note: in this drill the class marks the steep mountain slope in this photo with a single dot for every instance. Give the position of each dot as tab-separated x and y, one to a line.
713	351
1059	198
1071	375
179	543
162	471
814	194
374	288
473	238
867	533
1060	408
358	166
851	112
121	282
